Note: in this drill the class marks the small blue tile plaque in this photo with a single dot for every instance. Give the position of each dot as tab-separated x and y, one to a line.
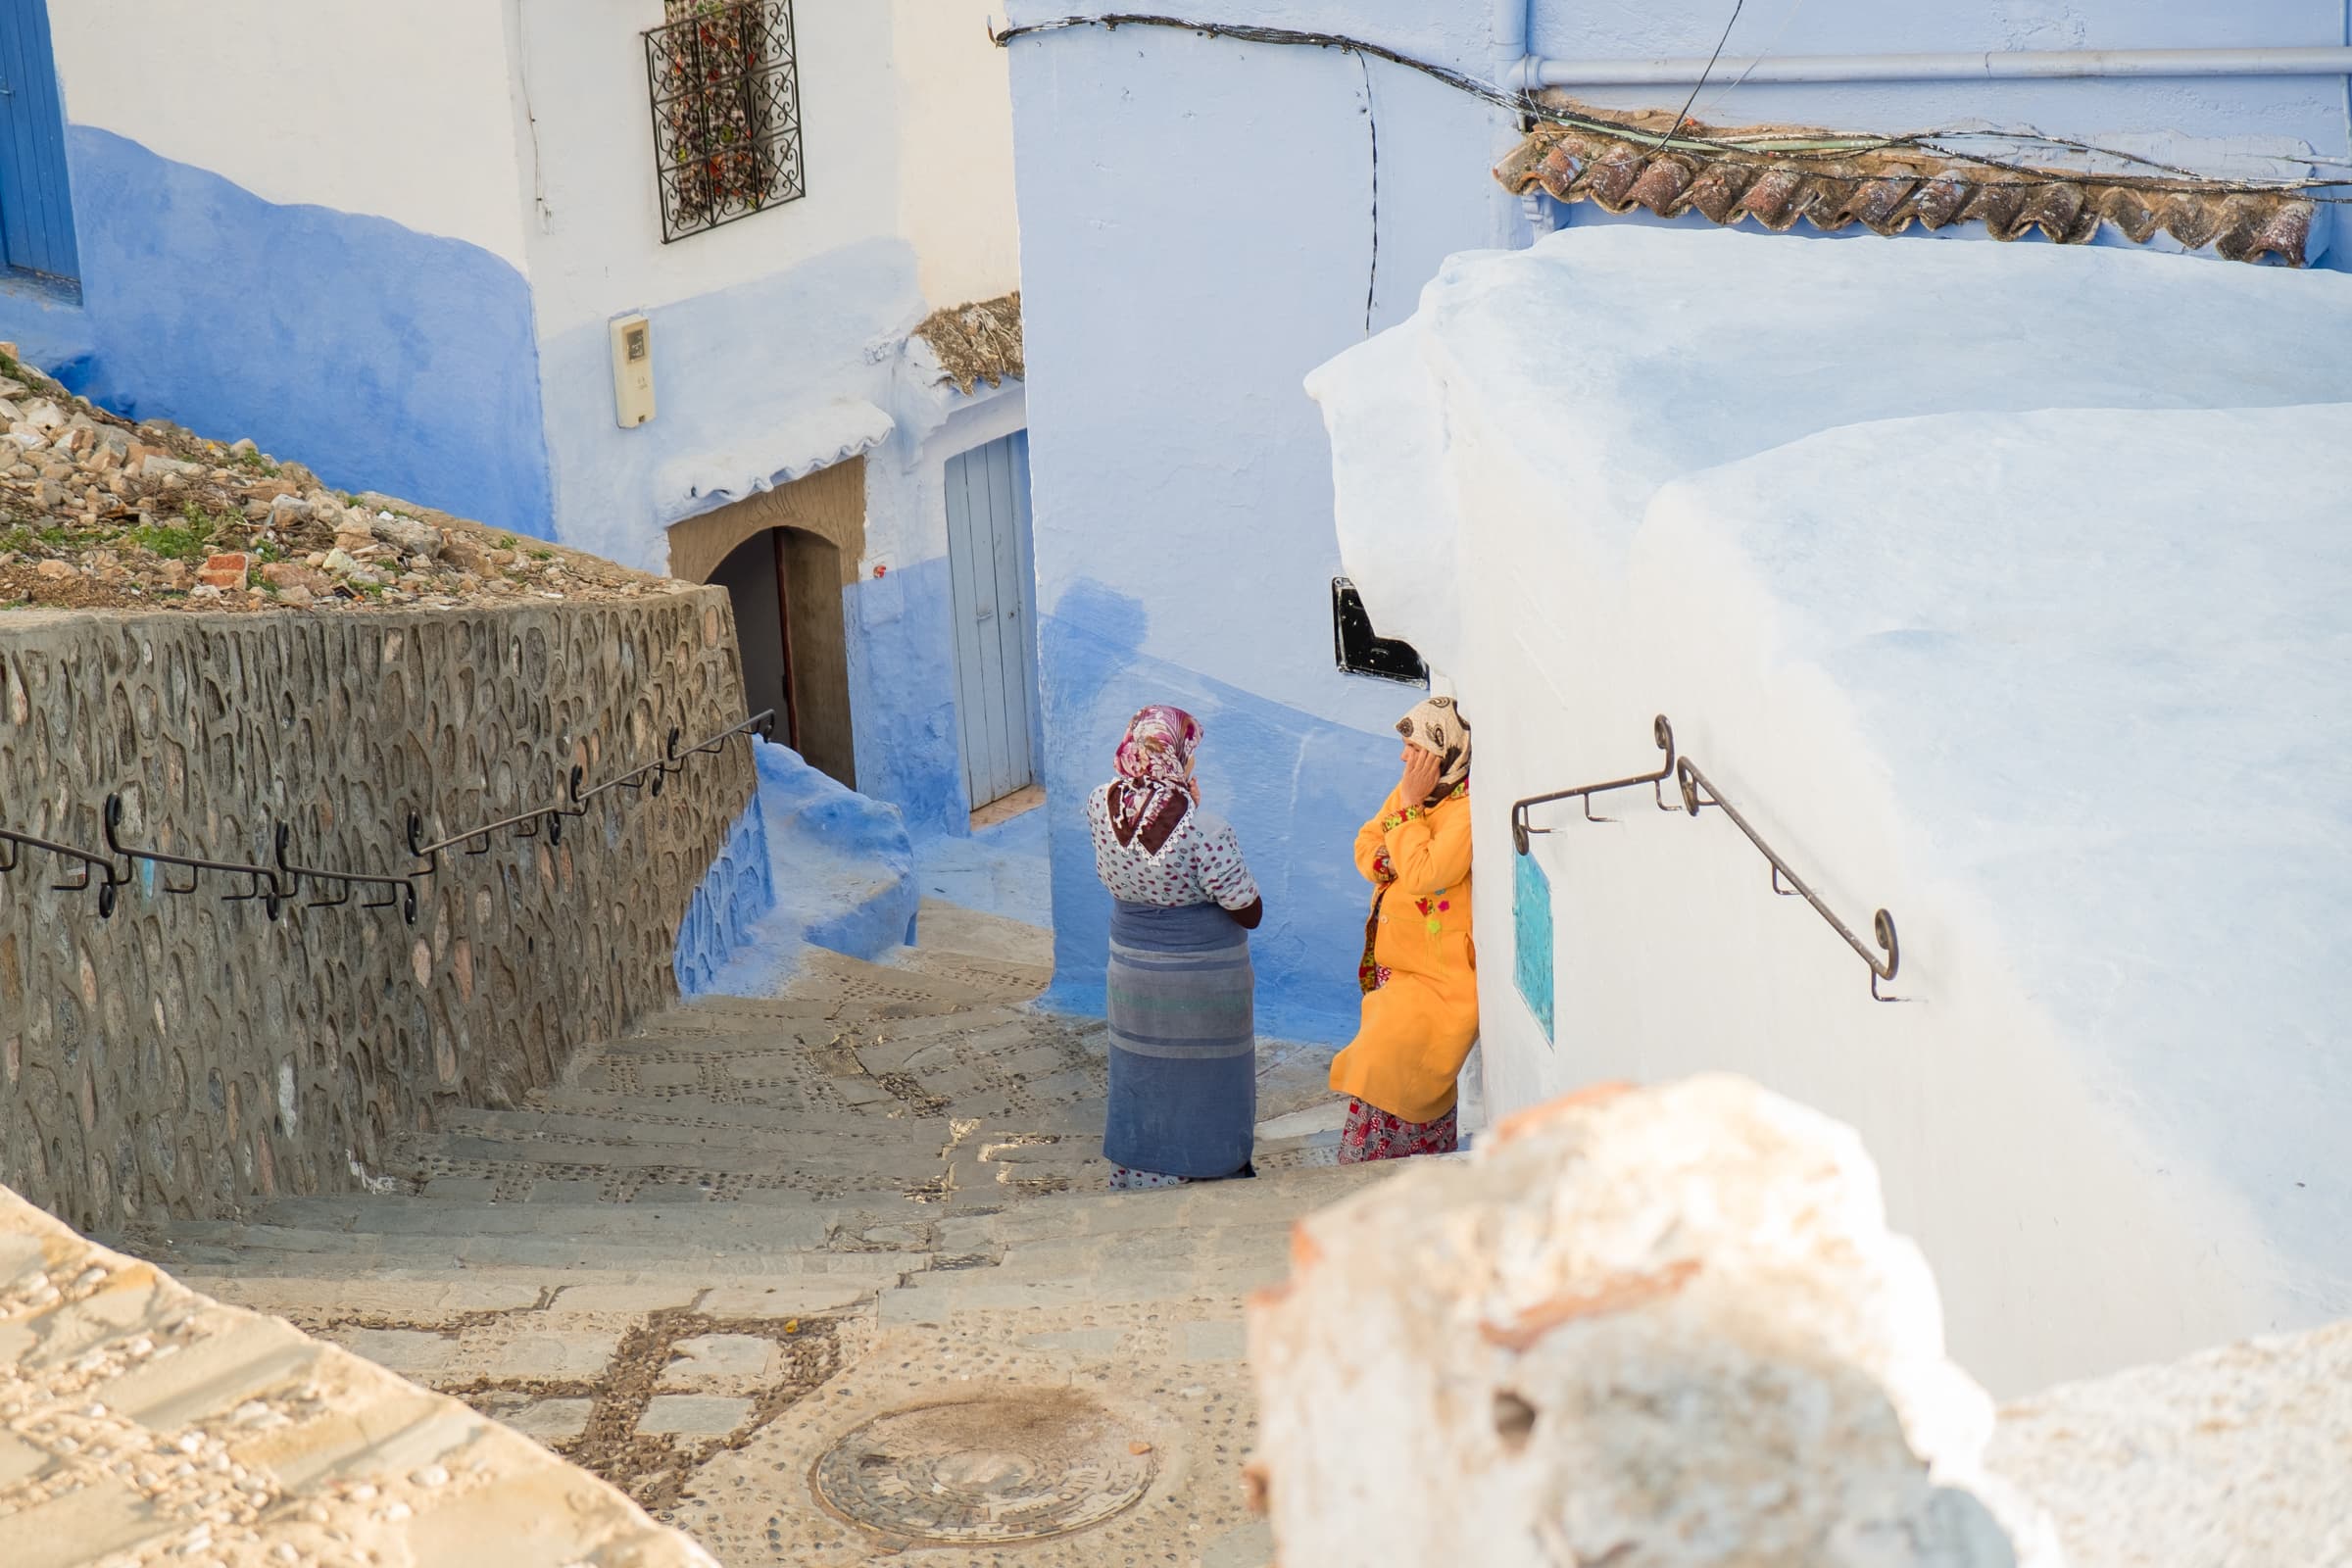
1530	919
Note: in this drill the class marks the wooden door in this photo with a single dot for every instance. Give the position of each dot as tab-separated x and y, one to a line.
36	216
994	596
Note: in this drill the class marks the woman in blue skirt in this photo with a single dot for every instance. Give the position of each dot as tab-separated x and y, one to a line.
1183	1029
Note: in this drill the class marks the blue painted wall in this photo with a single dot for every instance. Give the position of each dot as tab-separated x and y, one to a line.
1294	786
382	358
736	894
903	691
1180	477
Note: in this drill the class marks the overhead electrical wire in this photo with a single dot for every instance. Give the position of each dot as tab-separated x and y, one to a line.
1699	87
2168	178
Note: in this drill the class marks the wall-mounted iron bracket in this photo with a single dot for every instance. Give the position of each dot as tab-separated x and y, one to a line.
399	891
1699	792
92	871
260	881
648	777
1661	731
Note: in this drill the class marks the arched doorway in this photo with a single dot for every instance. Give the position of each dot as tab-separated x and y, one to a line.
786	588
784	558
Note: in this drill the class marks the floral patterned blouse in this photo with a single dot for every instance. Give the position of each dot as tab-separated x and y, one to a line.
1199	864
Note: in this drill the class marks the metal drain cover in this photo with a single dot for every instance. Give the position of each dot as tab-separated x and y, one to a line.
1006	1467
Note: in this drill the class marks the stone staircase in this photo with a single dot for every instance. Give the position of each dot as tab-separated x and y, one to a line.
827	1276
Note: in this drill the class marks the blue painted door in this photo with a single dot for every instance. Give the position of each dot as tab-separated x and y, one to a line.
995	609
37	219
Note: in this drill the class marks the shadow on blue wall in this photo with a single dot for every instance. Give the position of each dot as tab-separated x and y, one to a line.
382	358
1295	787
903	691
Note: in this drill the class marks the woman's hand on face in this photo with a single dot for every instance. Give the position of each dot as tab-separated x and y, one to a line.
1421	770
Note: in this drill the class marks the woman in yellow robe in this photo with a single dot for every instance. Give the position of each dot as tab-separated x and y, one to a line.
1419	972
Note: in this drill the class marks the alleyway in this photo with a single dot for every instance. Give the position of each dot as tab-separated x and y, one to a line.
848	1242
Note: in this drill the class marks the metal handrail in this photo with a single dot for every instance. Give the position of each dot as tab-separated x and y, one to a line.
274	886
1692	782
406	897
109	876
1659	729
529	824
262	880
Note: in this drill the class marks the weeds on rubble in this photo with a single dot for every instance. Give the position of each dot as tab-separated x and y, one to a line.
192	538
24	537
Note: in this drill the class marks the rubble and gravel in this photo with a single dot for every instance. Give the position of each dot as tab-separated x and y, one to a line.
99	512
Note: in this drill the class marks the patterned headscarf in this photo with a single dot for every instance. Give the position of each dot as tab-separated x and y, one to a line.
1437	727
1155	785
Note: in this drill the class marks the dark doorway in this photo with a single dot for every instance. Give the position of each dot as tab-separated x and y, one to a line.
785	585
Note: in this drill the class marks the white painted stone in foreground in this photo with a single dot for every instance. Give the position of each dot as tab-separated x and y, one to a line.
1640	1328
142	1423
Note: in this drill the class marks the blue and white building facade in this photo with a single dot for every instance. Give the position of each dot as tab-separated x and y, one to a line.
394	242
1570	452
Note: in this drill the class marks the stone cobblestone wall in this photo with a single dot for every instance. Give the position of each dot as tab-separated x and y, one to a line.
190	1056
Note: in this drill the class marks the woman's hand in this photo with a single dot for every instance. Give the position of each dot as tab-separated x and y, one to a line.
1421	770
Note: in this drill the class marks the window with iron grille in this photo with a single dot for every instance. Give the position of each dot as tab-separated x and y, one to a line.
726	96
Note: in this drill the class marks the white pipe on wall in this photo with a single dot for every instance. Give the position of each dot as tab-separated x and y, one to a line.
2002	64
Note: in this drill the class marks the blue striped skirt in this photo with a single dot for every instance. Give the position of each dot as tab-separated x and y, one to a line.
1182	1042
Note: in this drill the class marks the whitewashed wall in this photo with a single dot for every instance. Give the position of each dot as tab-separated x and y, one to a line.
775	334
398	112
955	203
2107	1110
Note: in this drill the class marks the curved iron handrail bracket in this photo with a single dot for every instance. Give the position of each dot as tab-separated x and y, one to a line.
262	881
575	801
111	877
1882	924
1661	731
406	897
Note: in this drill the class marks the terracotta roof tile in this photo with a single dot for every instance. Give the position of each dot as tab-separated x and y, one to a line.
1887	191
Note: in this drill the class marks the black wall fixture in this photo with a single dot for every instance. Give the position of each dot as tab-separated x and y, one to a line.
1361	650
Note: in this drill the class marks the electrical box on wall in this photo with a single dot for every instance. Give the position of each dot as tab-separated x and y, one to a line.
632	371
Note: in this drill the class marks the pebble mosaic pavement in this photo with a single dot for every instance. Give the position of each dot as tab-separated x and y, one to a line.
830	1276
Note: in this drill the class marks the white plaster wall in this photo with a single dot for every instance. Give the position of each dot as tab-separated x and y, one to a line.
2068	1242
955	202
399	112
596	247
2107	1113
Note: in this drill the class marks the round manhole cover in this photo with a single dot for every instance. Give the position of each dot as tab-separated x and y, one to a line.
1010	1467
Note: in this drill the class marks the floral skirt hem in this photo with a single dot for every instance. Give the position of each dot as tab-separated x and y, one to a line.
1371	1134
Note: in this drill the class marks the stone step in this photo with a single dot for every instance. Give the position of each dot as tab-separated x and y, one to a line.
287	1249
860	991
717	1159
669	1123
1075	1118
397	1295
1274	1199
1007	979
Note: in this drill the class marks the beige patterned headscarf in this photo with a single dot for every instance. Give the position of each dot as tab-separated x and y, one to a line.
1437	727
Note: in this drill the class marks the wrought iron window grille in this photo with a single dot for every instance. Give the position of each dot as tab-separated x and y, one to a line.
1362	651
726	90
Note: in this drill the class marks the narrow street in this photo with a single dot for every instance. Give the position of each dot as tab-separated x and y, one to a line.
829	1276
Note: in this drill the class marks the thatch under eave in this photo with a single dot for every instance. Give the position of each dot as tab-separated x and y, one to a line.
977	342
